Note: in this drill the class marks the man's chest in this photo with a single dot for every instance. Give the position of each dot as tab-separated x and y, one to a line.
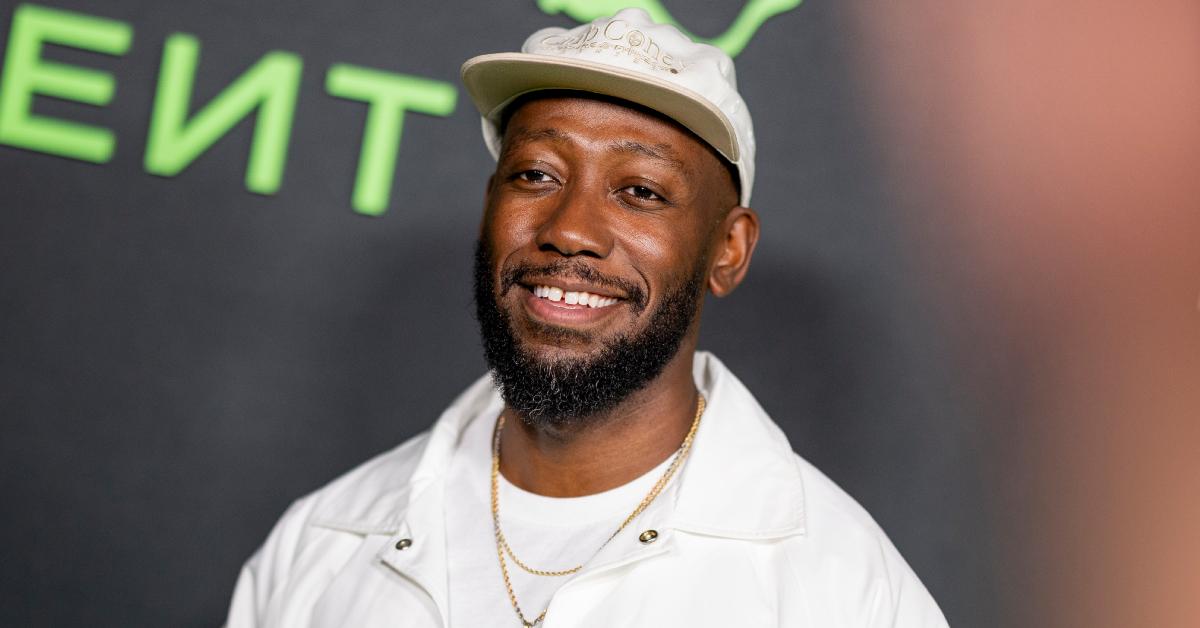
666	588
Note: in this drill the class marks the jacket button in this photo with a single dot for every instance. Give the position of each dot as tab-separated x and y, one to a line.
648	537
403	544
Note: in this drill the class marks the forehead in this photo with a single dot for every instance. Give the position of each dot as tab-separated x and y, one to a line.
621	125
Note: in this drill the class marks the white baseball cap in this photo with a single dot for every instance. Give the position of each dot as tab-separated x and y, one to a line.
631	57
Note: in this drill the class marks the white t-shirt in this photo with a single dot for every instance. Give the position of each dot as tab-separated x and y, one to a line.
548	533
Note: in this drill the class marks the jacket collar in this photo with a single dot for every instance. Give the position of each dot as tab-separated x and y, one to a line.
741	479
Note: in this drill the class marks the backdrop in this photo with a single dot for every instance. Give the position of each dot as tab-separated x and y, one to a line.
205	315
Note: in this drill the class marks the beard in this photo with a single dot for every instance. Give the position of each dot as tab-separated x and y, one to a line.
564	391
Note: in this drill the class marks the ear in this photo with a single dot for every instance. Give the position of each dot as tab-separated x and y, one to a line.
735	241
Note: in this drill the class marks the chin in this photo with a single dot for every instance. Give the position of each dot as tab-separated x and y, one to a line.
532	333
552	367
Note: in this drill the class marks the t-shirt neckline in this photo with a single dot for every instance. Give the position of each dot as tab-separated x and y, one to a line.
614	504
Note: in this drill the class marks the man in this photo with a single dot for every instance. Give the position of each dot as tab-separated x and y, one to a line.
605	474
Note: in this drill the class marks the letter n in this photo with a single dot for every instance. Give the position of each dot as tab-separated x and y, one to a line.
270	85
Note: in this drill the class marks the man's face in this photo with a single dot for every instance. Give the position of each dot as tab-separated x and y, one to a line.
593	255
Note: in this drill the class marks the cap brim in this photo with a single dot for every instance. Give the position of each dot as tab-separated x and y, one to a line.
494	80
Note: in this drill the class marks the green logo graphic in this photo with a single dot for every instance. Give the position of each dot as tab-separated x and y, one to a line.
180	129
732	41
267	91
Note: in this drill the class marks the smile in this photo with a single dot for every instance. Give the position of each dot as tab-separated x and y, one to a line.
558	295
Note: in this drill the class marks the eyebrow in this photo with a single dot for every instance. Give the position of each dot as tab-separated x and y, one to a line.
657	152
522	136
663	153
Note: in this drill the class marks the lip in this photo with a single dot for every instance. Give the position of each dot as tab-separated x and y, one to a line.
563	314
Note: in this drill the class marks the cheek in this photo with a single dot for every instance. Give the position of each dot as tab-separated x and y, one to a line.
662	252
508	226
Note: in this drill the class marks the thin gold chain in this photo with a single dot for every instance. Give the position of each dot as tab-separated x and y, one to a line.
502	546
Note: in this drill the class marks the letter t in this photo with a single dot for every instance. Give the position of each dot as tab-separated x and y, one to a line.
389	95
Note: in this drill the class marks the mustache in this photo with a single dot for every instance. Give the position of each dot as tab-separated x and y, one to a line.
575	269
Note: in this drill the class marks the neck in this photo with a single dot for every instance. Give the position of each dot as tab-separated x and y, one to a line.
605	451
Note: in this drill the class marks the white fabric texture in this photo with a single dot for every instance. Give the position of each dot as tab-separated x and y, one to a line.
545	532
749	535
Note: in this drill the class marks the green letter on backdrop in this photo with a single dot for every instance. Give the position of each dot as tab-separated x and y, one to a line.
26	74
270	85
389	96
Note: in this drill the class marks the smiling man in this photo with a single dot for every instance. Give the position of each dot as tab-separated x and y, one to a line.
604	473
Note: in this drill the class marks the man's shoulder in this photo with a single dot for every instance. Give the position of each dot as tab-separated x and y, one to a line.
372	495
364	500
369	495
828	516
845	552
832	514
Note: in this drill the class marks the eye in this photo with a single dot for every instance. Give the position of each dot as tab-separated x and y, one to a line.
533	176
643	193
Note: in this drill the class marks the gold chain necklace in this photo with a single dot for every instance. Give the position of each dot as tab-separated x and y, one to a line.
502	546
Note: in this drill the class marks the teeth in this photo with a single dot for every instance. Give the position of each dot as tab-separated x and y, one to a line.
572	298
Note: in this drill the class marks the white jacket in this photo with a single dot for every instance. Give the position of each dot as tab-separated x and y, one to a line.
751	536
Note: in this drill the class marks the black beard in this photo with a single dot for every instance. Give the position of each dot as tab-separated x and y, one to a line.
563	392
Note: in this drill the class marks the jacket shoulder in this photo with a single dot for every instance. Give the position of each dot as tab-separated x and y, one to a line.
366	498
362	500
833	513
843	544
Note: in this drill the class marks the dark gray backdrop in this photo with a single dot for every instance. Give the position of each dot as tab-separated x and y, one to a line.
180	358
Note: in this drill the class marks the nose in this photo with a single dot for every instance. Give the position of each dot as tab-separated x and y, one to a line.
577	223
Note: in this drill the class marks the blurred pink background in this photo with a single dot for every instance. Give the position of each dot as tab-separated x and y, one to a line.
1047	155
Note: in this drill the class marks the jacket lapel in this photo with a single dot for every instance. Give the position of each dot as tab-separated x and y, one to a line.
742	479
418	550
